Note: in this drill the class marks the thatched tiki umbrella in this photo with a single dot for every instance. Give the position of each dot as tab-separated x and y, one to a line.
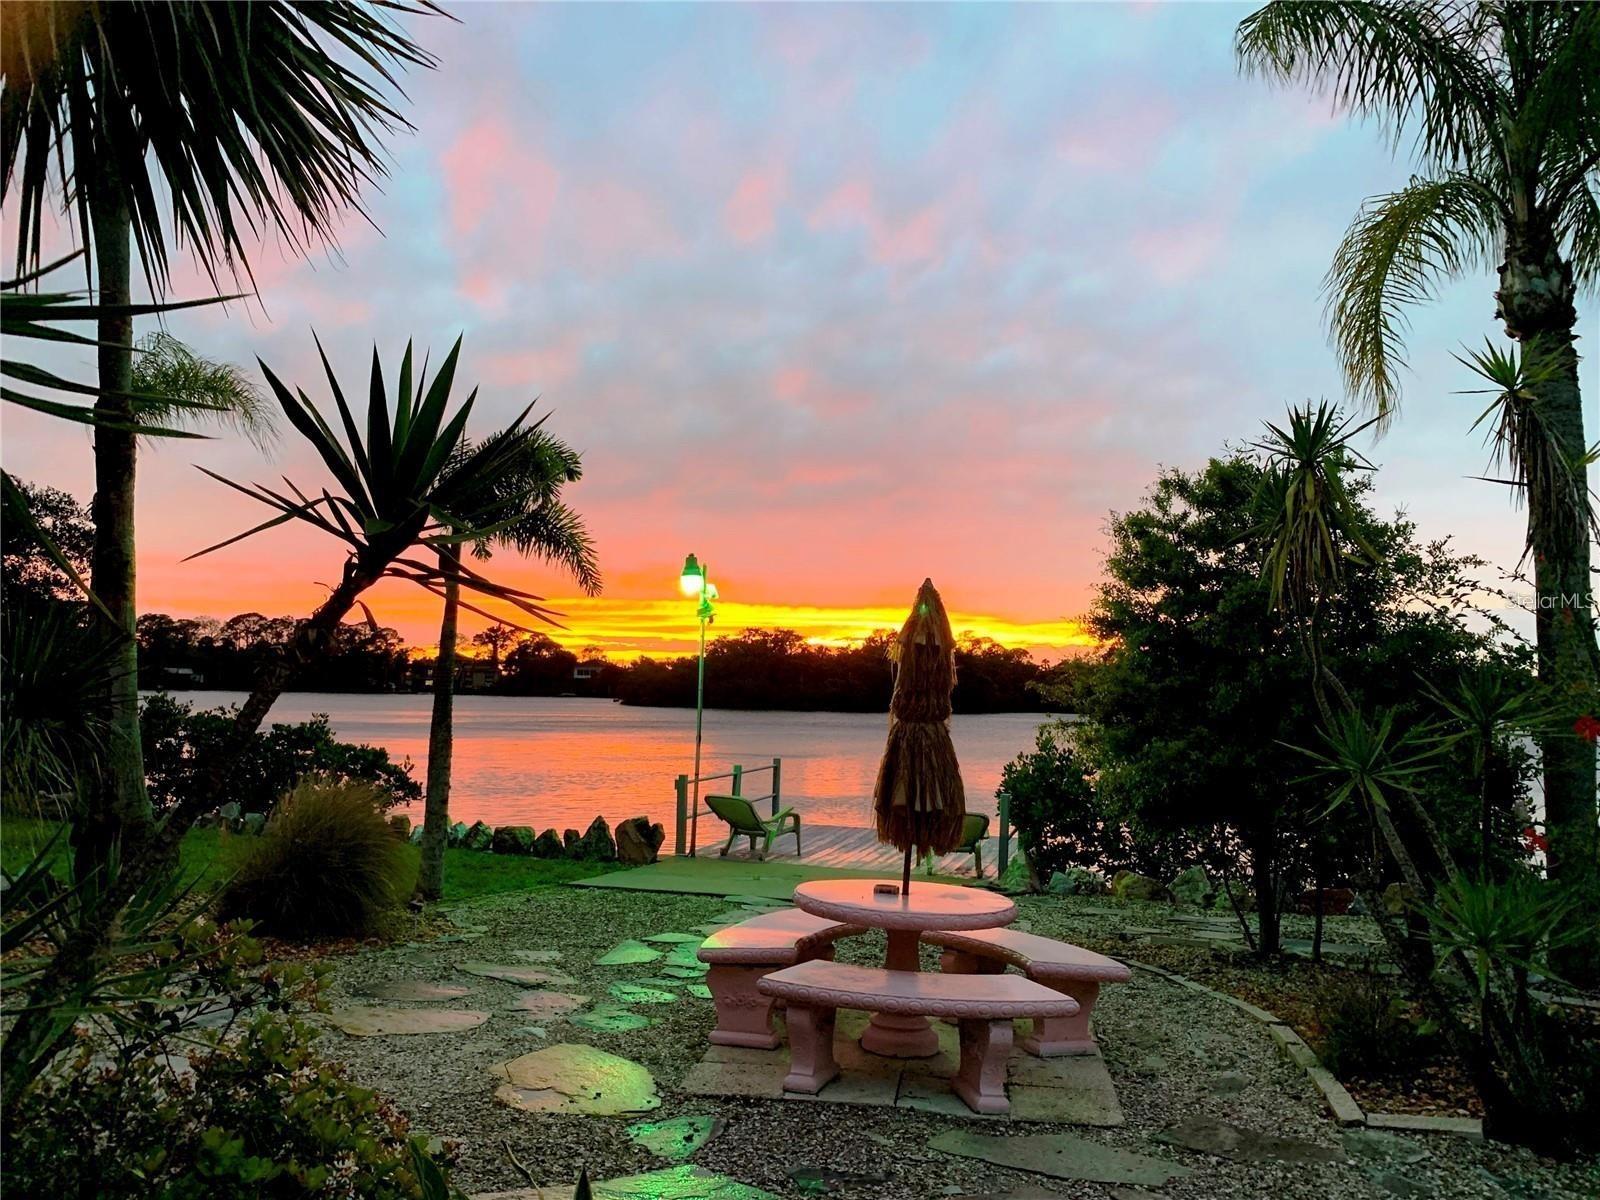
919	801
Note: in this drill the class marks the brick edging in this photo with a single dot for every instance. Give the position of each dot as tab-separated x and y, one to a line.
1293	1047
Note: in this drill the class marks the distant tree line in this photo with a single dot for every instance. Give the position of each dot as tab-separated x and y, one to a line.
779	669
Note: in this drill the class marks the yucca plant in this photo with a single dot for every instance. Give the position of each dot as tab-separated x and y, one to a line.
1311	525
398	494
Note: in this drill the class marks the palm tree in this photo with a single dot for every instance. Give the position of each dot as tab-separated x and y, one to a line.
1503	100
156	120
524	506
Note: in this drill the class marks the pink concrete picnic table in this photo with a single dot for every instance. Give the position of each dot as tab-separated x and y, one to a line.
903	918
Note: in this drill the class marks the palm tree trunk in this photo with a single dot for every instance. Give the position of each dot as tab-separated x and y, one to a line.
120	801
1537	307
441	735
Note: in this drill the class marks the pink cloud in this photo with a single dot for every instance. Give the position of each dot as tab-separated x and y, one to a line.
1177	253
751	211
1123	135
539	369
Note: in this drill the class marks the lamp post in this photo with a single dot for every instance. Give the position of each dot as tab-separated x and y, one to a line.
695	584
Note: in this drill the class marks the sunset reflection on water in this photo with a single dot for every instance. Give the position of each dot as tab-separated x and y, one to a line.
557	762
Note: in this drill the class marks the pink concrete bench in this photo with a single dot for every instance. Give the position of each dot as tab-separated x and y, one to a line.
741	954
984	1005
1070	970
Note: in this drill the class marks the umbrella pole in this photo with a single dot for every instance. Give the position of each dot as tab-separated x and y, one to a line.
905	877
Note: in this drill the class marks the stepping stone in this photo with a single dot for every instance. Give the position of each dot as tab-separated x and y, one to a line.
677	972
548	1006
685	955
574	1078
611	1018
756	901
1211	1136
1227	1083
634	993
675	939
628	954
379	1022
529	976
414	989
536	956
538	1031
678	1138
699	991
686	1182
1061	1156
1382	1149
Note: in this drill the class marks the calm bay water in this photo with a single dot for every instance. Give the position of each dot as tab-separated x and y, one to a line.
527	760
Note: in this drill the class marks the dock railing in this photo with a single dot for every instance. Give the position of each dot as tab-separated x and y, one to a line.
684	842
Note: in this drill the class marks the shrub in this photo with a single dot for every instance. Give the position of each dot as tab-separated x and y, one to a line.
261	1115
1365	1030
1060	820
178	741
326	865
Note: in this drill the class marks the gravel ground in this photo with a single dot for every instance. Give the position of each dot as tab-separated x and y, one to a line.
1164	1046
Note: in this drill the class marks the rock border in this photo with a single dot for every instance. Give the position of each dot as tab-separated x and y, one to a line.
1340	1102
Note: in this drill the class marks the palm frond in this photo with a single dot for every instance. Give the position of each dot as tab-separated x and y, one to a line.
211	118
1403	65
1397	251
189	388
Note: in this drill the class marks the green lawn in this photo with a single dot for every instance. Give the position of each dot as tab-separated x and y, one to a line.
213	855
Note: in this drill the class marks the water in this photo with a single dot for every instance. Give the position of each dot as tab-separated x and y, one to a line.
533	760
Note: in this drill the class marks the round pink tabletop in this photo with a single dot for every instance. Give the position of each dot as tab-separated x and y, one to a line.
929	905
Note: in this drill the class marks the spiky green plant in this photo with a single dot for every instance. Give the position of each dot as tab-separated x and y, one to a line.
397	495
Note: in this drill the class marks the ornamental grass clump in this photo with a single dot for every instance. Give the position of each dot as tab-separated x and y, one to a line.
327	865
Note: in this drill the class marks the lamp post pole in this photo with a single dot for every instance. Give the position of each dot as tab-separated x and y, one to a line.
695	582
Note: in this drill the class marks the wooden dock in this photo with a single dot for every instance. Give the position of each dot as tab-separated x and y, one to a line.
847	847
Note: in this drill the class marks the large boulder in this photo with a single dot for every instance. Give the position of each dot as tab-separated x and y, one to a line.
596	844
1129	885
549	845
400	826
457	835
1077	881
479	837
252	824
1191	886
638	841
513	839
416	835
572	842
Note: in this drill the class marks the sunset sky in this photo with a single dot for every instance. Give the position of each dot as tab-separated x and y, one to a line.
835	297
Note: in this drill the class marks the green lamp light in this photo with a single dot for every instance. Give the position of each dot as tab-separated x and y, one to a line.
693	578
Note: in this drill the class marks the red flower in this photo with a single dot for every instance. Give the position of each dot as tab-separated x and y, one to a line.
1535	840
1587	727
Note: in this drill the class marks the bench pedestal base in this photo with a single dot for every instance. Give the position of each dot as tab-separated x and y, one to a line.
981	1081
811	1063
744	1015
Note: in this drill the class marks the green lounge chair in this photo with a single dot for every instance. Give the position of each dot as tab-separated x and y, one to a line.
974	828
744	821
